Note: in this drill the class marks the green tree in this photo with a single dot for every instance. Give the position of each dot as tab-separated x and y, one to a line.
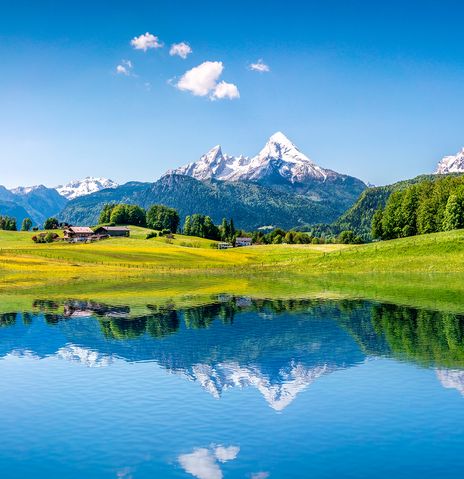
135	215
51	224
376	229
26	224
224	230
119	215
105	214
454	213
160	217
408	211
187	229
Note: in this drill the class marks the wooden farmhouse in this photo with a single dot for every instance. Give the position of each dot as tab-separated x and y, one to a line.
78	233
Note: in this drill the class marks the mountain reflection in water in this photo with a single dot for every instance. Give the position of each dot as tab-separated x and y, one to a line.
278	347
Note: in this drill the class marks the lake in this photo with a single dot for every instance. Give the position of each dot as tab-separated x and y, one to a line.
231	388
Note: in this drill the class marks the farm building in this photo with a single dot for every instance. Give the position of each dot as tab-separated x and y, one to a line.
223	245
113	231
78	233
242	241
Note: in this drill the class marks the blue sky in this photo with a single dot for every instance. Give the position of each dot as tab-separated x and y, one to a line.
372	89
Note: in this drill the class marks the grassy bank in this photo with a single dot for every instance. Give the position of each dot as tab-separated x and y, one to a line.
426	270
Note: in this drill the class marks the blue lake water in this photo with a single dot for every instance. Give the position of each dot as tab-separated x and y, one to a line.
232	389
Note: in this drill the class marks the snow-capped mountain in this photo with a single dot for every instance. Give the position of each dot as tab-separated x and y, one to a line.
278	392
279	161
451	379
25	190
88	185
451	164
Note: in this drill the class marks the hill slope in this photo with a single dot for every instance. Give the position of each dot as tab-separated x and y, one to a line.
250	204
358	218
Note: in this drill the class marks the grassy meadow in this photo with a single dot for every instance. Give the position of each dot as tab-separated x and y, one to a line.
425	270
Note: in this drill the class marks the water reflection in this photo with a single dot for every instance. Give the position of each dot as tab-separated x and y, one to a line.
278	347
205	463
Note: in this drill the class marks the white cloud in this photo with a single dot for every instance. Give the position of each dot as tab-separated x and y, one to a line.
260	66
225	454
203	80
226	90
125	68
260	475
145	42
203	462
181	49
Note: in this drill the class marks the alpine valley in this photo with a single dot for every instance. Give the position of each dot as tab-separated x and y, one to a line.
280	186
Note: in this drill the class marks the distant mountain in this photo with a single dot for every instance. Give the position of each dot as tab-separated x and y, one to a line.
9	208
451	164
279	187
39	202
36	202
251	205
280	162
77	188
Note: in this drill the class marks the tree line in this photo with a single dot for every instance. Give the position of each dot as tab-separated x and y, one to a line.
426	207
8	223
157	217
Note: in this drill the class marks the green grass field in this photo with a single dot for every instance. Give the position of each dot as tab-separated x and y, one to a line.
426	270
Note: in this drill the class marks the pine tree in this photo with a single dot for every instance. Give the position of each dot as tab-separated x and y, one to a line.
453	216
187	226
376	229
26	224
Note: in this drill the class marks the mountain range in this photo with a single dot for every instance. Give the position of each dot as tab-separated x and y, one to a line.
451	164
40	202
279	162
279	186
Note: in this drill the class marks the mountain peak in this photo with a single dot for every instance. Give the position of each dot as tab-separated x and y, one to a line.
88	185
214	154
279	137
279	161
451	164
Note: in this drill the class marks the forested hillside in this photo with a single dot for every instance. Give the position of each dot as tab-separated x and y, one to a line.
359	217
250	205
425	207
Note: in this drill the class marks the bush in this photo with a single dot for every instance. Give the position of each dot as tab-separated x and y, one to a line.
45	237
152	234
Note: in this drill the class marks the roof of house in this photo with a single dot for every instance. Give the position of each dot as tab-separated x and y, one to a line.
113	228
80	229
243	238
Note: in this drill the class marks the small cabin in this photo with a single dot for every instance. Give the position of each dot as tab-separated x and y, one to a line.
223	245
242	241
113	231
78	233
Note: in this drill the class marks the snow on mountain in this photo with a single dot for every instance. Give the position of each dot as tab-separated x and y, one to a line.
451	379
278	392
279	160
25	190
451	164
88	185
85	356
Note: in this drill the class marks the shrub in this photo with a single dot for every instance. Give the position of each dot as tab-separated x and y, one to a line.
151	234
